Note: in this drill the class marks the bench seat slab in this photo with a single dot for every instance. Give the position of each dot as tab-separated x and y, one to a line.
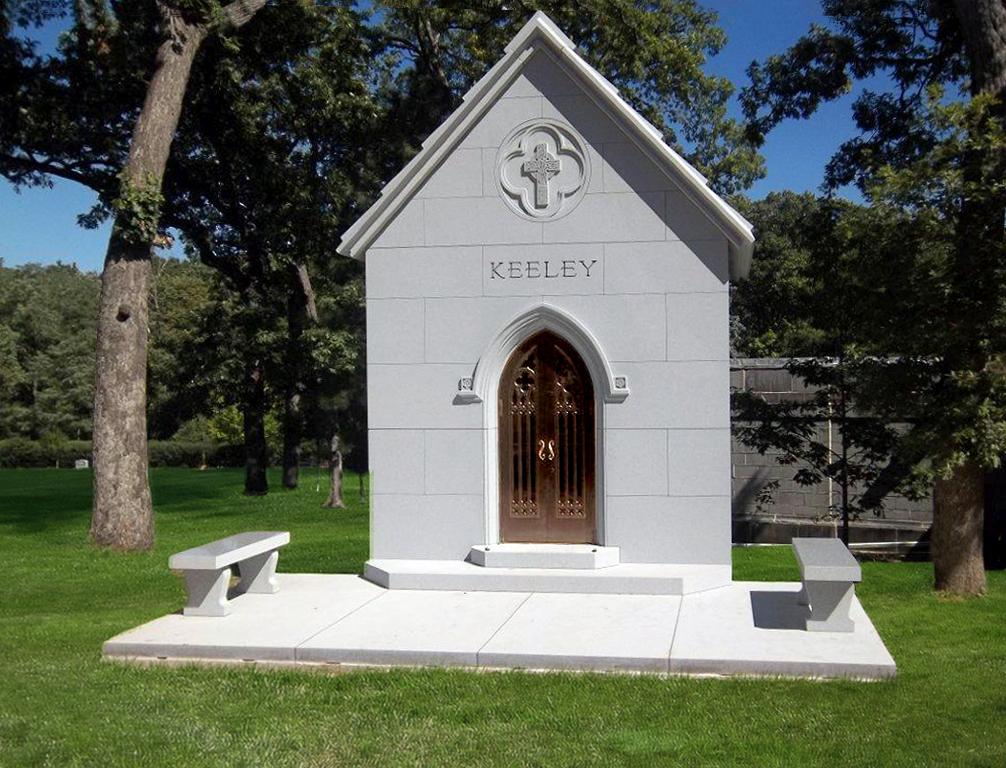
229	551
825	559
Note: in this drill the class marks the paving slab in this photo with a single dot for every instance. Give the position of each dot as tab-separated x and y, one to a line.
420	628
259	627
747	628
757	628
569	631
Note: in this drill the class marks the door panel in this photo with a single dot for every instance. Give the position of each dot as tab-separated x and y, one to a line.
546	412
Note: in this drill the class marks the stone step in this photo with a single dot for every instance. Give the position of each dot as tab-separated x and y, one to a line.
621	579
563	556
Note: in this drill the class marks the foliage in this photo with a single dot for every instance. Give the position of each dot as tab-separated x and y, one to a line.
47	346
177	453
55	451
910	44
855	452
803	301
776	310
224	426
70	115
60	700
22	452
180	297
924	262
47	327
942	297
137	209
268	173
284	140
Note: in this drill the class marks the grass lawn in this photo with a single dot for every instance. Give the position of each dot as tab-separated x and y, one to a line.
60	705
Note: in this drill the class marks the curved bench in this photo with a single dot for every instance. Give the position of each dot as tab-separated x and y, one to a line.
207	569
829	573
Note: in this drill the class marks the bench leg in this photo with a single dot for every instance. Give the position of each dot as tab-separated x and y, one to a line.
207	592
802	598
258	574
829	606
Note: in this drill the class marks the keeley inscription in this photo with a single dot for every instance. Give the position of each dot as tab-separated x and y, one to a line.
540	269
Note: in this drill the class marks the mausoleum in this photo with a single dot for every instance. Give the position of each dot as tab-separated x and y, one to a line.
549	422
547	330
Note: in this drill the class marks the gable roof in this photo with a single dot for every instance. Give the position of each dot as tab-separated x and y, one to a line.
541	32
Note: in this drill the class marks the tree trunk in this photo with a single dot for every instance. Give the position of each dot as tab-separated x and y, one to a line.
256	449
958	502
293	418
122	516
300	306
293	422
958	513
334	500
983	24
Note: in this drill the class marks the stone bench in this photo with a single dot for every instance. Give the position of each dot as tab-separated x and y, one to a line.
829	573
207	569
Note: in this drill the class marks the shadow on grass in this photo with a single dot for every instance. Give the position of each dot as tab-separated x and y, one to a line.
38	499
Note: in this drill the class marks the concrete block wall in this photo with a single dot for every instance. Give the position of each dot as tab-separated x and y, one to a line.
655	296
797	507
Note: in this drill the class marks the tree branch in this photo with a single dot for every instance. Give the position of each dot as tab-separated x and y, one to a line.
50	168
240	12
304	280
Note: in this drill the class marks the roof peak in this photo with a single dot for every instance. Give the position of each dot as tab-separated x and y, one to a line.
539	24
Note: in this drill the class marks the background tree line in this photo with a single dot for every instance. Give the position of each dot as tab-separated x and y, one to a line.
256	133
194	411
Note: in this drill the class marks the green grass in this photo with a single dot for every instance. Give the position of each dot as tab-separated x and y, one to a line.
60	705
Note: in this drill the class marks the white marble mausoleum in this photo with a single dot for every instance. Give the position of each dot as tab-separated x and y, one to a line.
549	422
547	329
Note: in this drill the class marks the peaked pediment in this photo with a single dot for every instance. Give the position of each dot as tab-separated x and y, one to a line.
543	165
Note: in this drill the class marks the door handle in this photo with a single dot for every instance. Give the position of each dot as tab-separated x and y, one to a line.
541	450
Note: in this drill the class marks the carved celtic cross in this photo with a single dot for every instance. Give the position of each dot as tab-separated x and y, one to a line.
543	167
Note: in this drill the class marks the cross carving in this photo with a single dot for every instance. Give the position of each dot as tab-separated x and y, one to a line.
543	167
525	380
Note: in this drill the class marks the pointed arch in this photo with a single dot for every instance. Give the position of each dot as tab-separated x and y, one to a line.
543	317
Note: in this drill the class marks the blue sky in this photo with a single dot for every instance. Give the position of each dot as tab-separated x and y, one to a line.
40	224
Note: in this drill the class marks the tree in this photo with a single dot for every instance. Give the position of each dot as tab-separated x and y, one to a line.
131	182
948	370
122	516
334	500
801	302
269	158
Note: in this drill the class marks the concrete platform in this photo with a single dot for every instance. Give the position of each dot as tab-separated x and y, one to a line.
747	628
620	579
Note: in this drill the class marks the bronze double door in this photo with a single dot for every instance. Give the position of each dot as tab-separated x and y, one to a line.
546	430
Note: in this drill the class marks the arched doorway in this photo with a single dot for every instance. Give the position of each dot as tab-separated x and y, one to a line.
547	433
